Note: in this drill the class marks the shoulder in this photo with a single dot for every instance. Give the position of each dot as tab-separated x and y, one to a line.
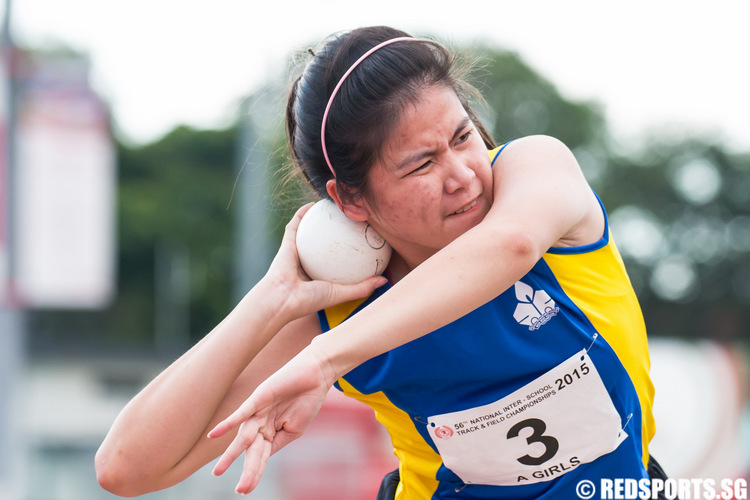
537	166
541	173
533	146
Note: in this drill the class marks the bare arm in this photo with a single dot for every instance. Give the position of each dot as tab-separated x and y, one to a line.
159	437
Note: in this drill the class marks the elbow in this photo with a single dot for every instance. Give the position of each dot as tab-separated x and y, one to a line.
113	475
109	475
521	250
513	250
106	476
524	249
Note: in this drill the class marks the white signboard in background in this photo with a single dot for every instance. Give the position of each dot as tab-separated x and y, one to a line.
65	181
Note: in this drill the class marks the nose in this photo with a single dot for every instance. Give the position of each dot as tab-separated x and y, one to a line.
458	175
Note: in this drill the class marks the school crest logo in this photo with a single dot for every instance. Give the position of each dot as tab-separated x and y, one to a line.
535	307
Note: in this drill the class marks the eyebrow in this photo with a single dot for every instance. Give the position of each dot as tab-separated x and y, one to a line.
419	155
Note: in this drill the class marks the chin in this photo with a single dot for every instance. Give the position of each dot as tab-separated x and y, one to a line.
468	220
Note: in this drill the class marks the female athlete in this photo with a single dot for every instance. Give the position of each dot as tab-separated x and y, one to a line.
504	349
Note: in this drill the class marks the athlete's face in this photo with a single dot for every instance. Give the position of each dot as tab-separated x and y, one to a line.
434	182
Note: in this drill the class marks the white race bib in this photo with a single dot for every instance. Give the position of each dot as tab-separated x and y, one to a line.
541	431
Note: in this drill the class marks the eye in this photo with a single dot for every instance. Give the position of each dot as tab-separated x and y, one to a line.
463	138
421	167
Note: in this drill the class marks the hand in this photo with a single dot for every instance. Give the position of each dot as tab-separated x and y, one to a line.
307	296
277	413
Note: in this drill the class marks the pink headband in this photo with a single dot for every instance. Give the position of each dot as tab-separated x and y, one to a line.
338	85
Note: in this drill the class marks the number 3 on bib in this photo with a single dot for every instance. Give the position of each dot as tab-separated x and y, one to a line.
550	444
541	431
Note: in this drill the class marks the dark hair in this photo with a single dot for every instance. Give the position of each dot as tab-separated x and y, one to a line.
367	106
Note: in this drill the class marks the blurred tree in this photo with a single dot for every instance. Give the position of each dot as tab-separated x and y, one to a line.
522	102
174	201
680	212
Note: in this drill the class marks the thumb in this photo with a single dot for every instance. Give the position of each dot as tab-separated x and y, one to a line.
344	293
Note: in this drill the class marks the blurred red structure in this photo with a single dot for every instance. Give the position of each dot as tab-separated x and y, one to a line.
344	454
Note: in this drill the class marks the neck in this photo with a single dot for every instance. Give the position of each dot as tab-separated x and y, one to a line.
399	266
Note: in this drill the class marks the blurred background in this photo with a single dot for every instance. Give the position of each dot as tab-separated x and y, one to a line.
144	191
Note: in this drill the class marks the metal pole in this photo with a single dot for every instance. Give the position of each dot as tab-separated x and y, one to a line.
12	318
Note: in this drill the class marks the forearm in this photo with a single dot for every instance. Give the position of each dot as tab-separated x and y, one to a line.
429	297
163	423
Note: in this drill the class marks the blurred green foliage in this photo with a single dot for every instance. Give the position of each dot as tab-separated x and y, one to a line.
174	195
521	102
680	211
679	208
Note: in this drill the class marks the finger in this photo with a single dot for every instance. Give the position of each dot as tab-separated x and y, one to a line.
256	459
288	240
240	415
221	428
301	211
293	224
243	440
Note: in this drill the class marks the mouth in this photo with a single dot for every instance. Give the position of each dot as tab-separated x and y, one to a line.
466	208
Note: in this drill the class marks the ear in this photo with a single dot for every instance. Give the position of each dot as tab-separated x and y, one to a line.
356	210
